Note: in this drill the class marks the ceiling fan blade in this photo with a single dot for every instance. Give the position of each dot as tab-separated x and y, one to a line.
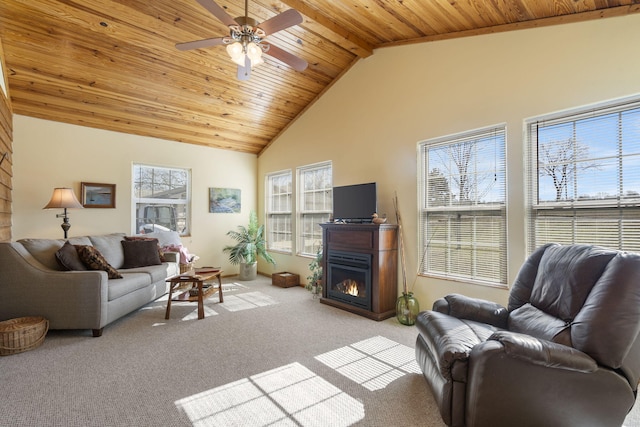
244	73
218	12
279	22
200	43
291	60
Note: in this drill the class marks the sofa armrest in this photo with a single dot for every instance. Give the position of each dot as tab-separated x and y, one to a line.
68	299
544	353
475	309
171	256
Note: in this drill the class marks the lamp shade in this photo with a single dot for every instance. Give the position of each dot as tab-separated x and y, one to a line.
63	198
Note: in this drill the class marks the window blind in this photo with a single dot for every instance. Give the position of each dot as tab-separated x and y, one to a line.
315	196
462	187
279	211
583	181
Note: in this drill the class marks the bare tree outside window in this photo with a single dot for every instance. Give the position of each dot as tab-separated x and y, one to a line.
561	160
467	172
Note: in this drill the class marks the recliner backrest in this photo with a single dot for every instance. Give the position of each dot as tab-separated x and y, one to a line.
584	296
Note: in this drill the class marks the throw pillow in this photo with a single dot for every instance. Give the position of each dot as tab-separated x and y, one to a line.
140	253
67	257
160	251
93	259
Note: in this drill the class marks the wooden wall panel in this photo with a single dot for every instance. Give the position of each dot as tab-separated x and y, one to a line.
6	151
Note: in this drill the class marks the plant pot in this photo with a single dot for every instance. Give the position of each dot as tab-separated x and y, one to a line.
407	309
248	271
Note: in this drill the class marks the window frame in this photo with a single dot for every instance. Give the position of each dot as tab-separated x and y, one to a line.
286	216
302	213
578	213
443	211
186	202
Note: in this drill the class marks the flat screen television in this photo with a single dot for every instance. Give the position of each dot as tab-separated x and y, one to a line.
355	203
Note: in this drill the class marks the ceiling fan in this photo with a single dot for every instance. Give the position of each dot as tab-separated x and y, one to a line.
245	43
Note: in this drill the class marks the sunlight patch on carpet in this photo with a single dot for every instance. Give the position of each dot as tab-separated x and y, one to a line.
247	301
232	287
373	363
291	395
193	315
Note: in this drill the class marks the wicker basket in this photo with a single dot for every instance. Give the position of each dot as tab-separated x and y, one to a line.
22	334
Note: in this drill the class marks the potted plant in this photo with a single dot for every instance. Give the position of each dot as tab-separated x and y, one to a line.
314	281
250	245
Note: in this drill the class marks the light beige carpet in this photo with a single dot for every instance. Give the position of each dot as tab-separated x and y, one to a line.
266	356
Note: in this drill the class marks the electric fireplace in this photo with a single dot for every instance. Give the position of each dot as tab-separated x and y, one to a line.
360	267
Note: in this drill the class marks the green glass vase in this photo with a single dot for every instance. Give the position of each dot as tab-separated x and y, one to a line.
407	309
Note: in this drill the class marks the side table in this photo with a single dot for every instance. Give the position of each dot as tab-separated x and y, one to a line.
197	281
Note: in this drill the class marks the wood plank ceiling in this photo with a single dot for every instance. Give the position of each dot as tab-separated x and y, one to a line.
112	64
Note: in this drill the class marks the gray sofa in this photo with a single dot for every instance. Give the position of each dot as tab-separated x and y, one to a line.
34	283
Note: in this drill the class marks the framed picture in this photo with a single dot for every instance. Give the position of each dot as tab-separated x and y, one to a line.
96	195
224	200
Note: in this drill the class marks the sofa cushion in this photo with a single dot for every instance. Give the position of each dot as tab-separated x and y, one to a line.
110	248
130	282
93	259
44	250
156	272
140	253
143	238
68	258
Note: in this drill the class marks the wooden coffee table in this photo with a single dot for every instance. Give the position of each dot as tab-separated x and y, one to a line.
197	281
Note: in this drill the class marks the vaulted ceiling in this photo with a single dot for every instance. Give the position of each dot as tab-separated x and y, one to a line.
112	64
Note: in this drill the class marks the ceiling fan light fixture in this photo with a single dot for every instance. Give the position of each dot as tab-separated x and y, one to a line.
245	45
255	54
236	52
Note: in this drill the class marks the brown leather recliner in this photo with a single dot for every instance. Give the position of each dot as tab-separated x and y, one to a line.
566	351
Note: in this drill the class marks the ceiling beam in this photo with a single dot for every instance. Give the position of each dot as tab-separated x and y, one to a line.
348	40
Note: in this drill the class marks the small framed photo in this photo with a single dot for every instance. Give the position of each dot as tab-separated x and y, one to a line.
96	195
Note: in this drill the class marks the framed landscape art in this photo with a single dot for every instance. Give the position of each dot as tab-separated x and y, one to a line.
224	200
95	195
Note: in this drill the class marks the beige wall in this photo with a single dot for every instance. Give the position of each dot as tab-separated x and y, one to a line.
370	122
49	154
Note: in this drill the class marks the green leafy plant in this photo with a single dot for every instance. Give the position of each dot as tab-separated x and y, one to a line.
250	245
315	279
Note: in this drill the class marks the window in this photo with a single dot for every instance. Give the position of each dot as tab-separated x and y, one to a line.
584	177
279	206
463	206
315	205
161	199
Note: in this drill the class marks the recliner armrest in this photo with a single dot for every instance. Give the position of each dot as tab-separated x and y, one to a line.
475	309
544	353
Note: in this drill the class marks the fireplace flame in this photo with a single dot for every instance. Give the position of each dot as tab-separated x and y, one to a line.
349	287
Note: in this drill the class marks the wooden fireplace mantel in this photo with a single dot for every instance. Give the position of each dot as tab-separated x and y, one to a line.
379	240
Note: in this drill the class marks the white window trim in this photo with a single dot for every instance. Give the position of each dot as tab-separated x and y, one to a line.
531	188
422	182
299	211
135	200
268	211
